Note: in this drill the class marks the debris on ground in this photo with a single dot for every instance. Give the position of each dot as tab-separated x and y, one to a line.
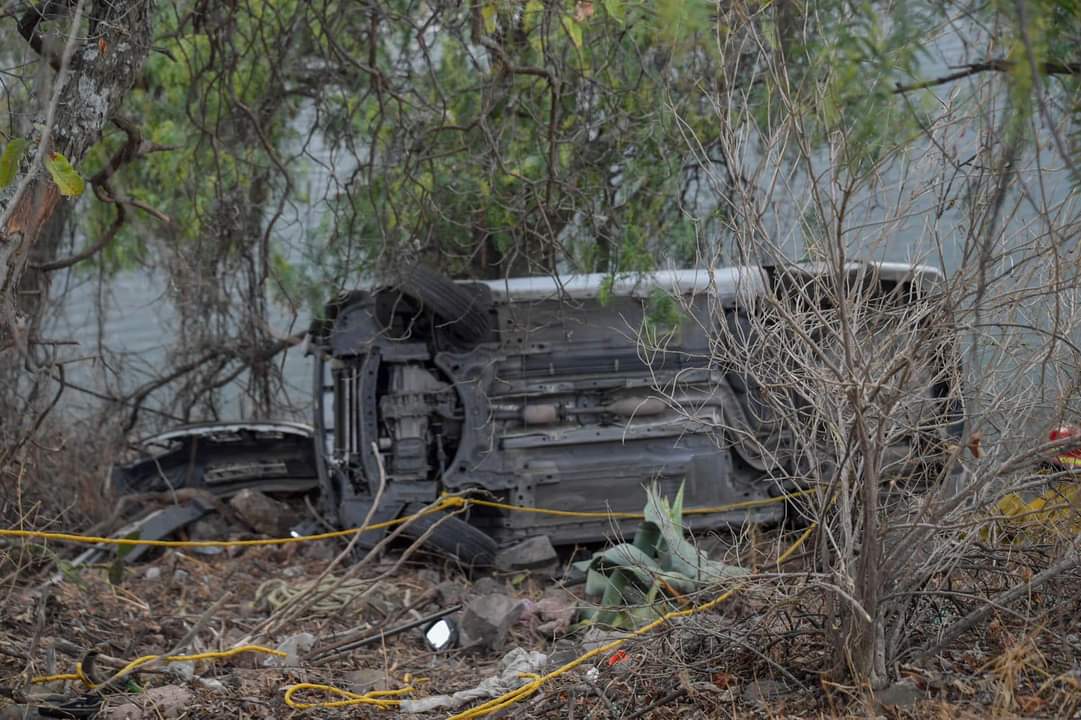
294	648
514	669
900	694
535	554
364	633
264	514
487	620
168	701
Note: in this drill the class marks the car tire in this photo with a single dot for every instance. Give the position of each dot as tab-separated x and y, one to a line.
453	537
464	311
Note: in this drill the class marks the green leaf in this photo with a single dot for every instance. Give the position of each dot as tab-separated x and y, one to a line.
70	572
9	161
574	30
615	10
66	177
122	551
487	14
116	571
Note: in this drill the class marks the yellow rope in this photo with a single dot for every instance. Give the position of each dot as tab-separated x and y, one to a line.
375	697
521	693
517	695
42	679
442	504
80	674
383	699
448	501
604	514
797	544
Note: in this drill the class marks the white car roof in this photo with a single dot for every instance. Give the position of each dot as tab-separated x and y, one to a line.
728	283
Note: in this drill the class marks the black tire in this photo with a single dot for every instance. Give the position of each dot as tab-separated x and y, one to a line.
463	310
471	546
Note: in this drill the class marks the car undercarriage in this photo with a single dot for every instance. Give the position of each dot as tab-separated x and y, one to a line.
570	393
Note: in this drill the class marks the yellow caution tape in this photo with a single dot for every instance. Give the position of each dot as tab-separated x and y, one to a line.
444	503
387	699
81	675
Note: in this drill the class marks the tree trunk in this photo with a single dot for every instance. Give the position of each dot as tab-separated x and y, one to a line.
101	71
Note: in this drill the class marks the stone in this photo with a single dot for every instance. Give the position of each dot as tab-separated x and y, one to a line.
563	651
293	647
552	615
900	694
487	620
211	684
595	637
556	613
264	514
152	573
762	691
488	586
318	551
169	701
210	527
182	671
536	553
450	593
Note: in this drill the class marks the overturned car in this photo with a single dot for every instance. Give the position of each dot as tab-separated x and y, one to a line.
573	393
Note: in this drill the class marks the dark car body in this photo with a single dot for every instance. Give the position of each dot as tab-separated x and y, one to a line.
570	393
564	392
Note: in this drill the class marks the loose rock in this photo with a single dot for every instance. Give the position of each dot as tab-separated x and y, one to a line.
450	593
487	620
182	671
264	514
901	694
552	615
536	553
293	647
488	586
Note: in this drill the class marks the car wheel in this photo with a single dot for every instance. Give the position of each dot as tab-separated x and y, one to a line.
464	311
453	537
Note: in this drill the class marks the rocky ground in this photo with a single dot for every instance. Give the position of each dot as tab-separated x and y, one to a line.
696	667
759	654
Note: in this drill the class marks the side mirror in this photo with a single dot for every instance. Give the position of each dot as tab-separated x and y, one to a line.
441	635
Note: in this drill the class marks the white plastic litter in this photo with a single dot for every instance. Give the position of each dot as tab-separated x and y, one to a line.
513	664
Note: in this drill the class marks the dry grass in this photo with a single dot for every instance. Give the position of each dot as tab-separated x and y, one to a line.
762	655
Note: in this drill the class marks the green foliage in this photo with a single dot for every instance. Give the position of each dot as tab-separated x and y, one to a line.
9	160
66	177
629	581
118	564
663	313
508	137
846	78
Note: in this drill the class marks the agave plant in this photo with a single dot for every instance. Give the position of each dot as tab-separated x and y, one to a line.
629	580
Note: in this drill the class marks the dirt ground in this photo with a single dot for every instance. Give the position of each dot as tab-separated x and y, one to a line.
752	656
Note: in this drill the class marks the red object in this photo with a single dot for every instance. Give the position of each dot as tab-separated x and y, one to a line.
617	657
1072	457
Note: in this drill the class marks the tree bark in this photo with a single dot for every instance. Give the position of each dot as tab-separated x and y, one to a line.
102	69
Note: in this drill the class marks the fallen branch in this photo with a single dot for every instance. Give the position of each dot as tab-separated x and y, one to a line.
977	616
